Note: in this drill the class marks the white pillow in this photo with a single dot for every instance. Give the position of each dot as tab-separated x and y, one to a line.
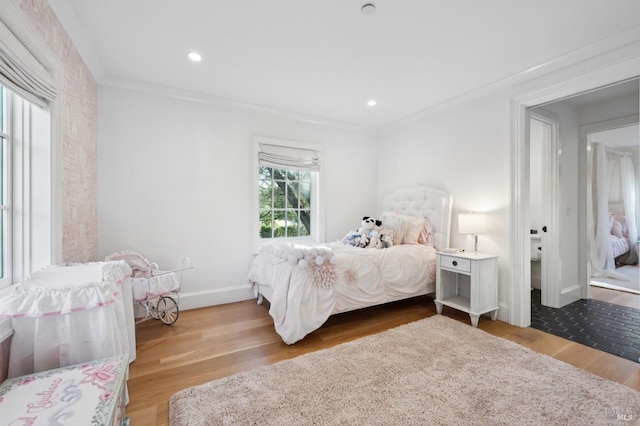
411	226
396	225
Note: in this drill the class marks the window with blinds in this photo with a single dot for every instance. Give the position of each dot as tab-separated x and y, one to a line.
287	186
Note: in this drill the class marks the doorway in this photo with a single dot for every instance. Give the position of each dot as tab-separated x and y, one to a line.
528	97
581	118
617	142
543	206
587	119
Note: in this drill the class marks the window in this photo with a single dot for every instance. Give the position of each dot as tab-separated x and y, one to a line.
25	187
288	190
285	202
5	182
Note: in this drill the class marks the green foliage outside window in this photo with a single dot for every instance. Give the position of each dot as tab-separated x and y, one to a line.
285	202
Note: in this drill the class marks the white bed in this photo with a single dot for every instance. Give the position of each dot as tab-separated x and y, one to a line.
302	298
619	242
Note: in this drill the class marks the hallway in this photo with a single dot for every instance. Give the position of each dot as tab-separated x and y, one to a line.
596	323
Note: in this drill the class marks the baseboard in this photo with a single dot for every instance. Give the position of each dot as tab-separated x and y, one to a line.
503	312
217	296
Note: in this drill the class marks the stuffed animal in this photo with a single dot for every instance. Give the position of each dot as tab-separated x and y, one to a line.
368	225
367	236
386	240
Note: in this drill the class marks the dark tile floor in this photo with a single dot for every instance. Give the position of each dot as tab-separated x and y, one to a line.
601	325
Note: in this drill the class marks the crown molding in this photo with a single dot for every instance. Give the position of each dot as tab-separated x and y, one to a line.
217	101
610	50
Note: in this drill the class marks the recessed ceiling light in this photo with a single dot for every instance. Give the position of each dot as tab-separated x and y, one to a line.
194	56
368	8
372	103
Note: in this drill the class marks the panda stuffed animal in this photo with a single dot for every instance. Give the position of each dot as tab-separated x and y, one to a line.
369	232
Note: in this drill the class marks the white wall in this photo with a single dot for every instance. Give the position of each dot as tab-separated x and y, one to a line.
466	151
175	178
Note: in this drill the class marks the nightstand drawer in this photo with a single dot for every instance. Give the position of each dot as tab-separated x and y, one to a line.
455	263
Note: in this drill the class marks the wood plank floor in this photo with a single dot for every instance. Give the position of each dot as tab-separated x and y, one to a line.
214	342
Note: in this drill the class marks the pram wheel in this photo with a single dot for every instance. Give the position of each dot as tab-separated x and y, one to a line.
167	310
152	305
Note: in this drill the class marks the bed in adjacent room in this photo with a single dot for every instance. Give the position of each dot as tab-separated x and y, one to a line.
306	284
619	239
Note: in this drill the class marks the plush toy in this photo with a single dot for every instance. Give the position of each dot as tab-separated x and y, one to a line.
367	236
386	240
368	225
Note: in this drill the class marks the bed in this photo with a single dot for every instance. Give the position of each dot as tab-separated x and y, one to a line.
306	284
619	241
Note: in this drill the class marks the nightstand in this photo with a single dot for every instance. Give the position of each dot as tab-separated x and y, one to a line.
467	282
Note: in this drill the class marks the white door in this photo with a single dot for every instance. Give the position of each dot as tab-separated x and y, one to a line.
544	216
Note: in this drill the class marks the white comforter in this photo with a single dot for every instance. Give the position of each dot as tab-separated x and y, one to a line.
304	297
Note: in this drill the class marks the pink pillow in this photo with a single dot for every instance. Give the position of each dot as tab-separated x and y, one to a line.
618	226
424	237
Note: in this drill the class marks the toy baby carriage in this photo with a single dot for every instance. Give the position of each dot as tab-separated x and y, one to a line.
155	290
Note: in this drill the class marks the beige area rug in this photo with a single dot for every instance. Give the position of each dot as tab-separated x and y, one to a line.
433	371
628	280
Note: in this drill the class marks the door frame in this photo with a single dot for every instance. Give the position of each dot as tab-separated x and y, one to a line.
520	267
585	187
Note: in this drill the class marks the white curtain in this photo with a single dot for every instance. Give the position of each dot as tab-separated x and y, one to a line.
628	189
288	157
21	72
601	254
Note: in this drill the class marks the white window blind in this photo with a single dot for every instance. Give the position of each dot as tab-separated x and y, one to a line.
287	157
22	73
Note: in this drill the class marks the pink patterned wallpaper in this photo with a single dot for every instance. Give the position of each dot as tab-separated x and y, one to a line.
79	136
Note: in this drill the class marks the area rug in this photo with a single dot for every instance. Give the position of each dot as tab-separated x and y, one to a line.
628	280
433	371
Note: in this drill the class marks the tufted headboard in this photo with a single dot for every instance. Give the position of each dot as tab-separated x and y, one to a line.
421	200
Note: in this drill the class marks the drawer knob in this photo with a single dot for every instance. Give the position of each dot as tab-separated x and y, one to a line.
455	263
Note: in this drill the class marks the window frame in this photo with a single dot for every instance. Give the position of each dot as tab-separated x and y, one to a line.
287	208
27	189
48	230
6	205
316	234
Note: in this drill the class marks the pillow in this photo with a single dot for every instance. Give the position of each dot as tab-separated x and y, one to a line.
416	229
425	237
618	225
396	225
414	226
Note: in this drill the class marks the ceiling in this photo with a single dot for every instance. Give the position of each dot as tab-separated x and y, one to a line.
325	59
627	137
613	92
621	137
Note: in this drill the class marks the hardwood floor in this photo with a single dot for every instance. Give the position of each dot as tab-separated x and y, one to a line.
622	298
214	342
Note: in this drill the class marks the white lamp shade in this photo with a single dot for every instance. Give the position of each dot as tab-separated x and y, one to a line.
472	223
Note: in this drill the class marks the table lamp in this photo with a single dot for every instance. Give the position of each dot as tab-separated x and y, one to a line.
474	224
